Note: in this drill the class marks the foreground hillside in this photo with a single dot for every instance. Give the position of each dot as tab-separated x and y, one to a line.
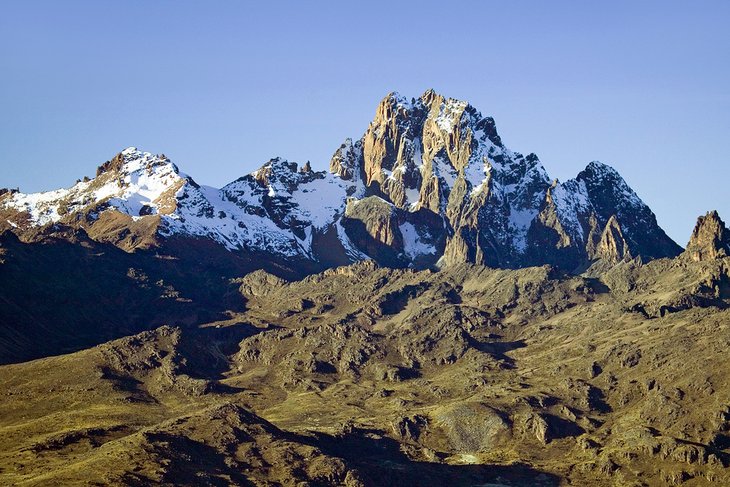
371	376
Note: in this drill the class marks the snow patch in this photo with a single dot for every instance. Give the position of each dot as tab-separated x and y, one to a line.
449	113
571	201
320	201
413	243
519	222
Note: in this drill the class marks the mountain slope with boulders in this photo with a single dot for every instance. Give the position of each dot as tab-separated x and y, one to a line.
364	375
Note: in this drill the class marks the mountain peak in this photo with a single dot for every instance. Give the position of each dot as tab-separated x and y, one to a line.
430	97
710	238
609	186
112	165
131	160
395	99
429	93
426	98
598	170
279	169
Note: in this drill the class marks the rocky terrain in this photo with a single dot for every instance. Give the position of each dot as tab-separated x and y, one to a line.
368	375
433	310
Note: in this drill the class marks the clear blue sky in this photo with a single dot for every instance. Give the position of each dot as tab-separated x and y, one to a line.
221	87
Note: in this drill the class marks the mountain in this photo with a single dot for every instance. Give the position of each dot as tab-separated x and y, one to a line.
432	310
429	183
138	199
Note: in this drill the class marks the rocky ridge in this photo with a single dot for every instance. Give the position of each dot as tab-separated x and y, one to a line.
429	183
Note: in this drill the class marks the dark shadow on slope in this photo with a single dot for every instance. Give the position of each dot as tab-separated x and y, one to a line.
595	398
188	462
207	350
396	301
126	383
498	350
597	286
561	428
61	295
384	254
382	463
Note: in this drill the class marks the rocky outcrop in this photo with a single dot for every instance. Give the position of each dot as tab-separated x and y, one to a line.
710	239
372	225
612	246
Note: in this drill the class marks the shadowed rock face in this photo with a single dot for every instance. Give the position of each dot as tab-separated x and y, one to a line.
710	238
447	191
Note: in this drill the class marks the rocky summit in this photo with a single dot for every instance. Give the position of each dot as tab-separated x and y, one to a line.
710	238
432	310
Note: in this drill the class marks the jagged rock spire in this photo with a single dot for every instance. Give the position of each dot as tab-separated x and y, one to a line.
710	238
612	246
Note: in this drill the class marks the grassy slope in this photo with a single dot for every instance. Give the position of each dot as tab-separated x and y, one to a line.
367	376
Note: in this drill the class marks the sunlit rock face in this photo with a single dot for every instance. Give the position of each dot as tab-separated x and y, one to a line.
443	167
710	239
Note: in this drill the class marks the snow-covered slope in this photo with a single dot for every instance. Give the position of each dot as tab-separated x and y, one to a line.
135	183
429	181
276	209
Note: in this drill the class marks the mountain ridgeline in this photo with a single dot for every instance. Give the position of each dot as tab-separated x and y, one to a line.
430	183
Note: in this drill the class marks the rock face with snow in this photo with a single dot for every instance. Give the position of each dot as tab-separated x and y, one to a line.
596	215
277	209
429	183
451	182
463	196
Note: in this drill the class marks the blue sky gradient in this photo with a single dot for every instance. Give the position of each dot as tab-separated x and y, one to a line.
221	87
